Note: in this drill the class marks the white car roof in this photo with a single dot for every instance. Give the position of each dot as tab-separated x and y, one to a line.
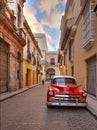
61	76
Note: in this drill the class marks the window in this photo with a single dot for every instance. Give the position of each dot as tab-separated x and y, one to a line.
88	33
18	74
91	76
19	56
71	51
34	50
28	45
28	50
19	16
38	63
72	70
52	61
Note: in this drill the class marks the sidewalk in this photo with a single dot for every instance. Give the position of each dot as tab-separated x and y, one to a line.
7	95
92	104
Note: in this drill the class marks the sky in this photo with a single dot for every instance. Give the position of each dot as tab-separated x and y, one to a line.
44	16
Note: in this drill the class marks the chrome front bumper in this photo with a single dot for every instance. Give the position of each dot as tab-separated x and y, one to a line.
66	104
66	100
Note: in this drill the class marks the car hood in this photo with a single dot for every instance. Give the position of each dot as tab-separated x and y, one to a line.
66	89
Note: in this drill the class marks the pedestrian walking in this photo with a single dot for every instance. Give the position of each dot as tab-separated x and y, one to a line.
42	81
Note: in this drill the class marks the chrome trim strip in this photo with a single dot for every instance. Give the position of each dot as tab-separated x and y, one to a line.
67	104
66	99
75	96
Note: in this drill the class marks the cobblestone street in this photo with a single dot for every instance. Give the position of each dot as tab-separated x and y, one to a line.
28	111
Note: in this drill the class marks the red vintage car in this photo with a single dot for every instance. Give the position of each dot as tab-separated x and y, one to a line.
63	91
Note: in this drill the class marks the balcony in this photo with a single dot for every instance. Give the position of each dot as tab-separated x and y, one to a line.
69	29
87	45
21	33
71	24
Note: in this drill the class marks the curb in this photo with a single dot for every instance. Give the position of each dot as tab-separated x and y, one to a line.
8	95
95	116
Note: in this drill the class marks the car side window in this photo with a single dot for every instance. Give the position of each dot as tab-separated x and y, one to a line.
70	81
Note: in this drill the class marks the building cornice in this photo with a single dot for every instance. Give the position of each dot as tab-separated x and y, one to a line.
22	2
7	24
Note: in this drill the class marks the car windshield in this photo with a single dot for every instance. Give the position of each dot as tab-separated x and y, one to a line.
63	81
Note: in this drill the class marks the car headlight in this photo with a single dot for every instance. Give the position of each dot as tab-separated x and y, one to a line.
84	94
51	93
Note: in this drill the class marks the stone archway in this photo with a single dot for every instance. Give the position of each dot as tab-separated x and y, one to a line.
50	73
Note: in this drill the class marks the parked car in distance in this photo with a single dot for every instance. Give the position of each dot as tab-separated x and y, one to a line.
63	91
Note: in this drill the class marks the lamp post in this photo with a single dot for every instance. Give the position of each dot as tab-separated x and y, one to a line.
95	9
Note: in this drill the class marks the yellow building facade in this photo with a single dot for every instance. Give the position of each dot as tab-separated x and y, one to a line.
31	59
78	46
27	73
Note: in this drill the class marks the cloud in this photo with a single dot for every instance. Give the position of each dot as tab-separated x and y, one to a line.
31	19
34	25
63	1
53	20
53	13
48	5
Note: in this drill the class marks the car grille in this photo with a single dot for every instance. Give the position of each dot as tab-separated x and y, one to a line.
67	98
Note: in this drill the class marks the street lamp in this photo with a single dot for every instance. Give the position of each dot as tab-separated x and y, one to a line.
95	9
61	66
